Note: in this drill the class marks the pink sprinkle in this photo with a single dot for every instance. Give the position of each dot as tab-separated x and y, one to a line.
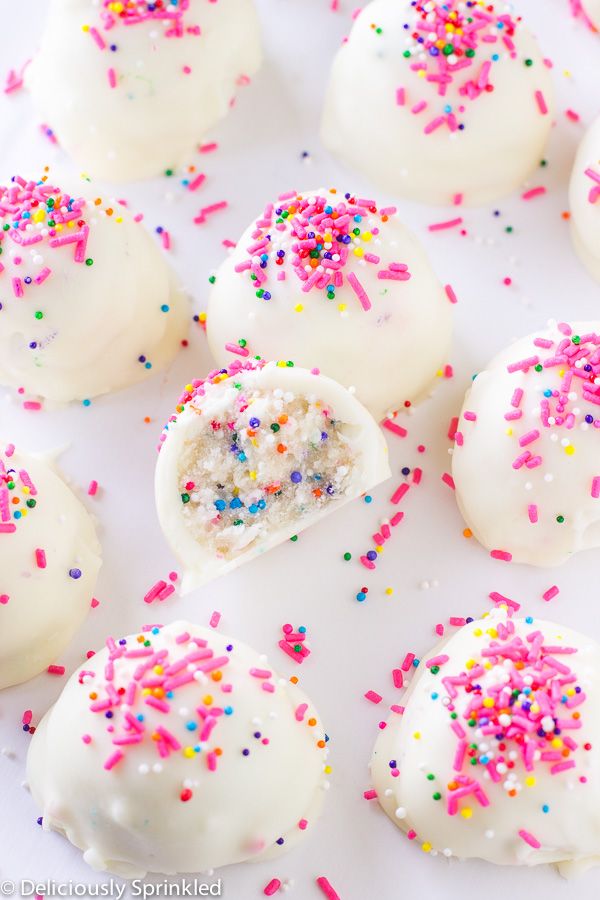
397	678
154	591
95	603
532	512
437	660
541	102
197	182
208	148
452	428
572	115
450	294
327	889
93	488
40	558
56	670
503	555
300	712
370	795
33	405
359	291
112	78
551	593
448	479
399	493
27	717
527	836
533	192
215	619
400	96
442	226
408	661
596	487
373	697
272	887
4	598
439	629
239	351
112	760
394	428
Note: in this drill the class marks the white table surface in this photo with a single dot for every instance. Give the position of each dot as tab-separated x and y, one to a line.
354	645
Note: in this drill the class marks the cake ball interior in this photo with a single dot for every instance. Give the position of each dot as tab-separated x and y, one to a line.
264	458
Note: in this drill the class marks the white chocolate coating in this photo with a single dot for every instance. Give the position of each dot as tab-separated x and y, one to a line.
534	461
199	547
96	320
372	128
41	608
169	91
585	199
390	353
195	801
559	809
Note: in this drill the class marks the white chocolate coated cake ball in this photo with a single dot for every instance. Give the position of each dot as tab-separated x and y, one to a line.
178	750
49	562
255	454
88	305
332	281
444	101
496	755
129	88
526	462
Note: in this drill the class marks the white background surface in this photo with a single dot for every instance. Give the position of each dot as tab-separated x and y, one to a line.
354	646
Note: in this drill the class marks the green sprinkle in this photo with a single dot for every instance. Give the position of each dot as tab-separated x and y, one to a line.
89	261
39	315
347	556
185	498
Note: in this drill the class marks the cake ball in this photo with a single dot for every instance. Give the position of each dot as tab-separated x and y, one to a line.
526	459
584	196
331	280
496	754
444	101
178	750
255	454
87	303
131	87
49	562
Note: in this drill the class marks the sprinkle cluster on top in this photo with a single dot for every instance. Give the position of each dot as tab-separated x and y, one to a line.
517	702
17	493
567	396
34	214
134	12
447	39
169	701
594	194
316	237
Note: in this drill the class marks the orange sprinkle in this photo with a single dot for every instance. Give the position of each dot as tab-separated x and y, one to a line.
281	448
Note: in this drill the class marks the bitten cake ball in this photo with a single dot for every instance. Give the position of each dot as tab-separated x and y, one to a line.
331	280
526	461
178	750
497	753
87	303
255	454
442	101
584	196
130	87
49	561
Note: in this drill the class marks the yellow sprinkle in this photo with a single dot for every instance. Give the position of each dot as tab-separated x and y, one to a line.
298	307
252	475
570	450
85	28
426	848
379	549
530	781
477	632
202	317
367	236
327	770
389	591
358	251
509	432
342	307
158	670
207	700
417	735
557	743
189	752
470	663
467	812
488	702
